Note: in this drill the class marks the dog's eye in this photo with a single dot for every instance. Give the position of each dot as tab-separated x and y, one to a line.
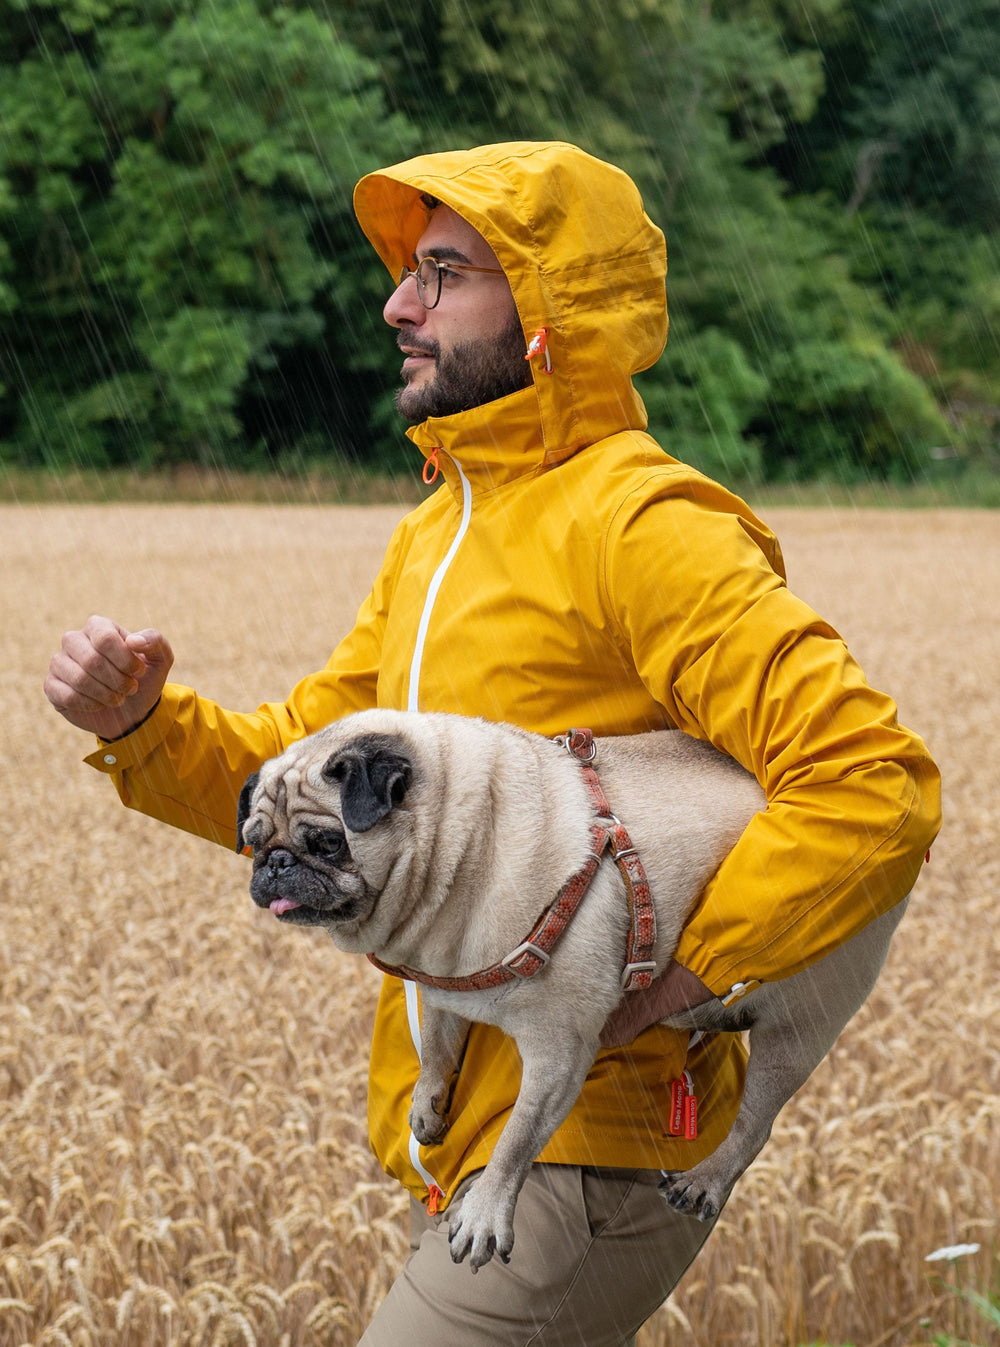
326	843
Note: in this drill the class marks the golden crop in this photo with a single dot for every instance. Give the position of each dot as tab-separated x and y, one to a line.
183	1153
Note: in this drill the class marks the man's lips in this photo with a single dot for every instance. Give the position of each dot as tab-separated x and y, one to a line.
417	359
416	354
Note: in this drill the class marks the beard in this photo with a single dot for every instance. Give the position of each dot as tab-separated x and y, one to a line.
469	375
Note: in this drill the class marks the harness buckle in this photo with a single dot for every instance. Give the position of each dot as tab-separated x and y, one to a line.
641	972
525	947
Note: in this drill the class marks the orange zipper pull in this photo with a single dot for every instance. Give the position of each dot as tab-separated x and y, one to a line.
432	466
434	1199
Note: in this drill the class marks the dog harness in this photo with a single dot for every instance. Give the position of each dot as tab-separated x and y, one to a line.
607	833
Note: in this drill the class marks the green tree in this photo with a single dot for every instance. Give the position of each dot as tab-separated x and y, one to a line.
186	276
692	98
906	148
181	277
927	117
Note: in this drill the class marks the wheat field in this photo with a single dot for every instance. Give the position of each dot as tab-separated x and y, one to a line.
183	1156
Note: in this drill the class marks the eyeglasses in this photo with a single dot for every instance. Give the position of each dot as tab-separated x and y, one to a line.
428	273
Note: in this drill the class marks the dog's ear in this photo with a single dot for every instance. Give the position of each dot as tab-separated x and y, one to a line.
374	774
243	809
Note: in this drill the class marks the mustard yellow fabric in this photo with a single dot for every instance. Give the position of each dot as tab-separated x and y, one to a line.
598	582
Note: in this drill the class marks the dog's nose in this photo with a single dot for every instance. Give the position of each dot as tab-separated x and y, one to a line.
280	859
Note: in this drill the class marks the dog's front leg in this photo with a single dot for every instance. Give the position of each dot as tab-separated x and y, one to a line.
552	1077
442	1040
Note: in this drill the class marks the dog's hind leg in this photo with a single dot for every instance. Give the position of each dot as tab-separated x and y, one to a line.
793	1025
442	1041
781	1060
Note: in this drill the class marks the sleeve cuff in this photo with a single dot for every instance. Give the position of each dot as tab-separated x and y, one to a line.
114	756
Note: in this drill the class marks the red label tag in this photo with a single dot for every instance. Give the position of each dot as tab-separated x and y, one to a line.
683	1120
676	1123
690	1117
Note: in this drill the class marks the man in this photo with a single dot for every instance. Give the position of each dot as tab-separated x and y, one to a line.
566	572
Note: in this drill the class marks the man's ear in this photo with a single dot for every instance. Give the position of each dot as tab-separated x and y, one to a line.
374	775
243	809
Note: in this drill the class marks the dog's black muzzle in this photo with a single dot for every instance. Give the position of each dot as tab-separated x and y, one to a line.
311	898
277	874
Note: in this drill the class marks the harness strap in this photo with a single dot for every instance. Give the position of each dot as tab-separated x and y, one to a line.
639	965
532	954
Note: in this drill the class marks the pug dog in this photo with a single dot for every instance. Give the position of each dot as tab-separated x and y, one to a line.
432	842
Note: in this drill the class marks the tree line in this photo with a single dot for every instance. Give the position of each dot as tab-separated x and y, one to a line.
182	278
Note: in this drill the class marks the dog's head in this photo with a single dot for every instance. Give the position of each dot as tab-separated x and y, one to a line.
326	825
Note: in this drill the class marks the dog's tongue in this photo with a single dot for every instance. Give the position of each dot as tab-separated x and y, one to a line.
283	905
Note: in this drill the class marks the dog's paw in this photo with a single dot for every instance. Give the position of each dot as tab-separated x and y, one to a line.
426	1124
478	1231
685	1194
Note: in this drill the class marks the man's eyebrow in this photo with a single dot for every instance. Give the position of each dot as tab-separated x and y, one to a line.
445	254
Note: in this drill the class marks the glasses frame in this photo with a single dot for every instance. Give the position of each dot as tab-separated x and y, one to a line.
424	286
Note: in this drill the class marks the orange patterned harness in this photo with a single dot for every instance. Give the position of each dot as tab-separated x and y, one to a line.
532	954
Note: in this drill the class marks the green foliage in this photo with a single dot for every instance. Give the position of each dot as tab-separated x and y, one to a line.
932	102
181	278
701	403
987	1310
176	210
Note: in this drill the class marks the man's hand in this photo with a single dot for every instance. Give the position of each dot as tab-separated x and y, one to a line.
105	679
675	989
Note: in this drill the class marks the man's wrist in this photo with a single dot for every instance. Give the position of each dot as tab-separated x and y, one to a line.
114	738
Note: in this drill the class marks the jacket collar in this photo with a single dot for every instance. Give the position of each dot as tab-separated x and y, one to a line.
494	444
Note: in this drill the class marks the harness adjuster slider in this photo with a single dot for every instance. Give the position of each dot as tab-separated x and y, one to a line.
525	947
642	971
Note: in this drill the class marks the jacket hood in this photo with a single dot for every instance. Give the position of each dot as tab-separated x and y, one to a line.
582	258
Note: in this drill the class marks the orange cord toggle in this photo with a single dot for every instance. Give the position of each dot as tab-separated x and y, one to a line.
434	1198
539	345
432	467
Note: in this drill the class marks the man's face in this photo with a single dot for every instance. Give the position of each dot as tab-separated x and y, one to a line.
469	349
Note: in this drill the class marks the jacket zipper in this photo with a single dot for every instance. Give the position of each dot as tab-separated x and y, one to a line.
435	1191
413	691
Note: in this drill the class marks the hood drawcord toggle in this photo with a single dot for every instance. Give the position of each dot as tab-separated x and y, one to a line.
539	345
432	466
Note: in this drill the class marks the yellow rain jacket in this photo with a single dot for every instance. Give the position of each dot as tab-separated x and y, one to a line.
567	572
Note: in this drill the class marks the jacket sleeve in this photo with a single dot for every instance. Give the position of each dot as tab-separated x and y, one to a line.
187	763
736	659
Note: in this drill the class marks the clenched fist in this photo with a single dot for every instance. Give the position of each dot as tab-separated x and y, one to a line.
105	679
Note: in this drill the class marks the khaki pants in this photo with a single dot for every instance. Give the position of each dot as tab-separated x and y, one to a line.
596	1251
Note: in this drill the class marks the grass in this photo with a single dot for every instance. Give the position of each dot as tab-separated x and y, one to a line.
183	1151
189	484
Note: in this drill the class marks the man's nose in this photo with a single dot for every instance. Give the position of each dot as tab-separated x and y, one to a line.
403	307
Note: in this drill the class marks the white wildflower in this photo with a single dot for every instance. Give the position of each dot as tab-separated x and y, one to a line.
951	1251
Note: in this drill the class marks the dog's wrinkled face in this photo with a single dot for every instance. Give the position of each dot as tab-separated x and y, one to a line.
310	816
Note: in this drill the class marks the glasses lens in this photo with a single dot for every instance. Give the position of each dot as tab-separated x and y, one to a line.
428	282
